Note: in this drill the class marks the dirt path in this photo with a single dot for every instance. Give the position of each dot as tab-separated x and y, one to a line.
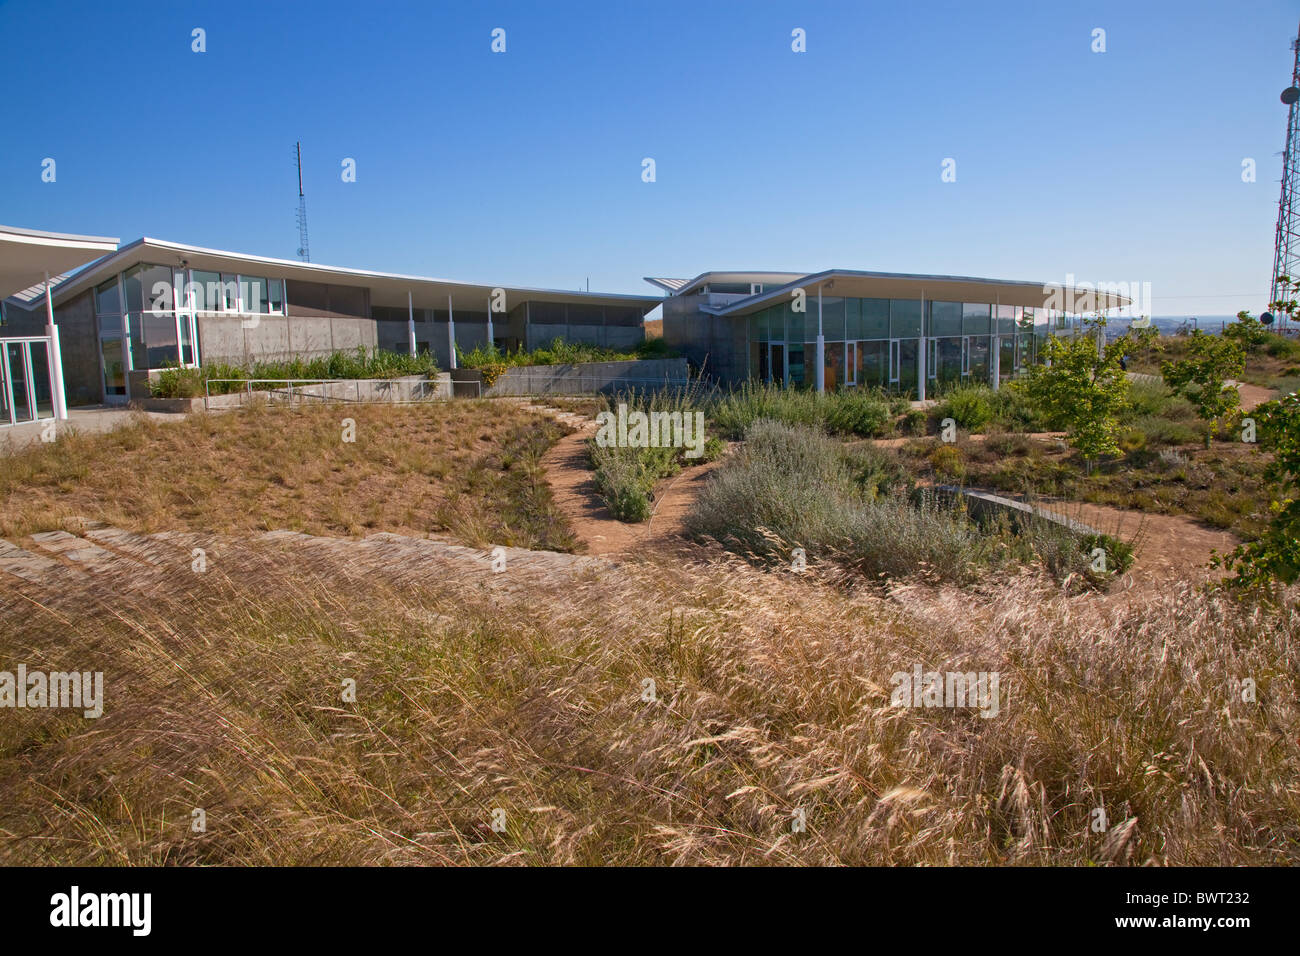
1254	395
574	490
1167	547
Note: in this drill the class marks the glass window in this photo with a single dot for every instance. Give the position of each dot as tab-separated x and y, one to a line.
108	300
206	287
275	296
1006	318
794	325
945	318
875	318
156	286
229	292
133	287
905	318
159	332
975	318
832	319
853	319
253	294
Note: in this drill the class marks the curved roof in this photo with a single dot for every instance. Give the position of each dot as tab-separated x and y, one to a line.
901	285
388	289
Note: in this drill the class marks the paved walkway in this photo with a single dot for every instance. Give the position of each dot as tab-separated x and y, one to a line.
59	560
86	419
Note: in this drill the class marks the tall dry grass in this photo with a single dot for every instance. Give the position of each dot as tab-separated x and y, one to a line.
772	694
470	469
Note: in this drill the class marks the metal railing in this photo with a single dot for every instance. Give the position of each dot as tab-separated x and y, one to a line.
355	391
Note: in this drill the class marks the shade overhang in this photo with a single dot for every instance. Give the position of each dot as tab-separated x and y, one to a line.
894	285
27	256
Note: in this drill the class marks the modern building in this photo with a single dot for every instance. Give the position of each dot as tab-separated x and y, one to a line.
152	304
843	328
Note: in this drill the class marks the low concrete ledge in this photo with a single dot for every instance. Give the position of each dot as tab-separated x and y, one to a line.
983	503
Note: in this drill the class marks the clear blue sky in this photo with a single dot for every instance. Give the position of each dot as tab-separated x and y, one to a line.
525	167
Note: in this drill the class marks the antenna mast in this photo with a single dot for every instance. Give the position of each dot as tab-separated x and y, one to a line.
304	250
1286	246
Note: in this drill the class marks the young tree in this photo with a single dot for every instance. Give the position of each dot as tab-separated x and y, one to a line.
1083	389
1247	331
1200	378
1275	555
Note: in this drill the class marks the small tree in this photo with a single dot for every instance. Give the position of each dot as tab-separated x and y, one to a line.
1275	555
1083	389
1201	377
1247	331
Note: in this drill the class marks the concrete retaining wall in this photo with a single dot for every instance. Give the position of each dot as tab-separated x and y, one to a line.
981	503
408	388
591	377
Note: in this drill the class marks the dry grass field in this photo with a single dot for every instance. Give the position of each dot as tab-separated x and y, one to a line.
467	469
772	695
224	691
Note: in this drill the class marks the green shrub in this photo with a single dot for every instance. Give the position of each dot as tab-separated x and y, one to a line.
863	413
947	464
970	406
625	476
915	421
222	378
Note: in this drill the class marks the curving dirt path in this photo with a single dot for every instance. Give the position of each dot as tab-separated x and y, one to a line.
574	490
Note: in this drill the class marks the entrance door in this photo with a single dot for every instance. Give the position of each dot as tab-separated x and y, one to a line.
17	373
112	351
908	352
26	386
776	362
1006	357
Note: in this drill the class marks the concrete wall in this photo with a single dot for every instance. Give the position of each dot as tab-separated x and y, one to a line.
273	338
712	343
591	377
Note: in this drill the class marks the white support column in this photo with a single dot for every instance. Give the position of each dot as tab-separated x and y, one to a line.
821	346
410	322
56	357
921	370
489	324
451	331
995	360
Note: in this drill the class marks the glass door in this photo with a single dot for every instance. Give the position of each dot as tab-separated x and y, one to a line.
112	351
17	378
1006	357
26	386
776	362
909	351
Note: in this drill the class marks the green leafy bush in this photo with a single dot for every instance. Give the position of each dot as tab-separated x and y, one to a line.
860	412
970	406
1275	555
222	378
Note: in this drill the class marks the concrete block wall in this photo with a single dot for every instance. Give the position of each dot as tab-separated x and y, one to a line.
273	338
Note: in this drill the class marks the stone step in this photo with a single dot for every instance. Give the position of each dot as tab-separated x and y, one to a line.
139	546
78	550
29	565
